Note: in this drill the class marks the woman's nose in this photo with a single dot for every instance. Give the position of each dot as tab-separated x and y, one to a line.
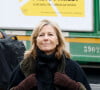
46	37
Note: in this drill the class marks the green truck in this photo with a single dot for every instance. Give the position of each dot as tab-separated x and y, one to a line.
78	19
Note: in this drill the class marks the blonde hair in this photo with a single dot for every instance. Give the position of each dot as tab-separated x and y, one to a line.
60	49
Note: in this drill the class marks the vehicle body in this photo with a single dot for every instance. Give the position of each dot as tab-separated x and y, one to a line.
83	45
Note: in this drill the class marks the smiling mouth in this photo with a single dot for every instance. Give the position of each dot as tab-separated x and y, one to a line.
46	44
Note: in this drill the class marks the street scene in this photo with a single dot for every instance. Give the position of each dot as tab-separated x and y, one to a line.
45	44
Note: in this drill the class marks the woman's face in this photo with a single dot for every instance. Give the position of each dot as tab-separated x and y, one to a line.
47	39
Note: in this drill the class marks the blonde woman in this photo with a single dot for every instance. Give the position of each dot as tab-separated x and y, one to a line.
47	65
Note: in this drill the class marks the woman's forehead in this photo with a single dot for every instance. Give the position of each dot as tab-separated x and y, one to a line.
48	29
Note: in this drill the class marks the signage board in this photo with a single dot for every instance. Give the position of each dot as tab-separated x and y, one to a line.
71	15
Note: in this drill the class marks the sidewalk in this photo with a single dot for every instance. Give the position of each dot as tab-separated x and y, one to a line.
95	86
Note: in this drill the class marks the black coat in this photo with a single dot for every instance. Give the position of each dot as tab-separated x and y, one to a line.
5	70
9	59
72	69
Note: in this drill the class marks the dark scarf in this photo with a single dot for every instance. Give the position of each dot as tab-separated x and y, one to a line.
46	67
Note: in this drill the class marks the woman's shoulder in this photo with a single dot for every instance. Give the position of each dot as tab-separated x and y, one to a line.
16	77
73	66
71	62
17	70
74	71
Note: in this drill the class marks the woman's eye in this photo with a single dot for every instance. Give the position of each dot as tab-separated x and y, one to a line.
50	34
40	35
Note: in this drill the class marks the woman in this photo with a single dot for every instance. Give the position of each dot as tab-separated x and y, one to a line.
47	65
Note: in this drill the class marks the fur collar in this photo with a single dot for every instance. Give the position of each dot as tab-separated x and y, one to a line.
28	65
